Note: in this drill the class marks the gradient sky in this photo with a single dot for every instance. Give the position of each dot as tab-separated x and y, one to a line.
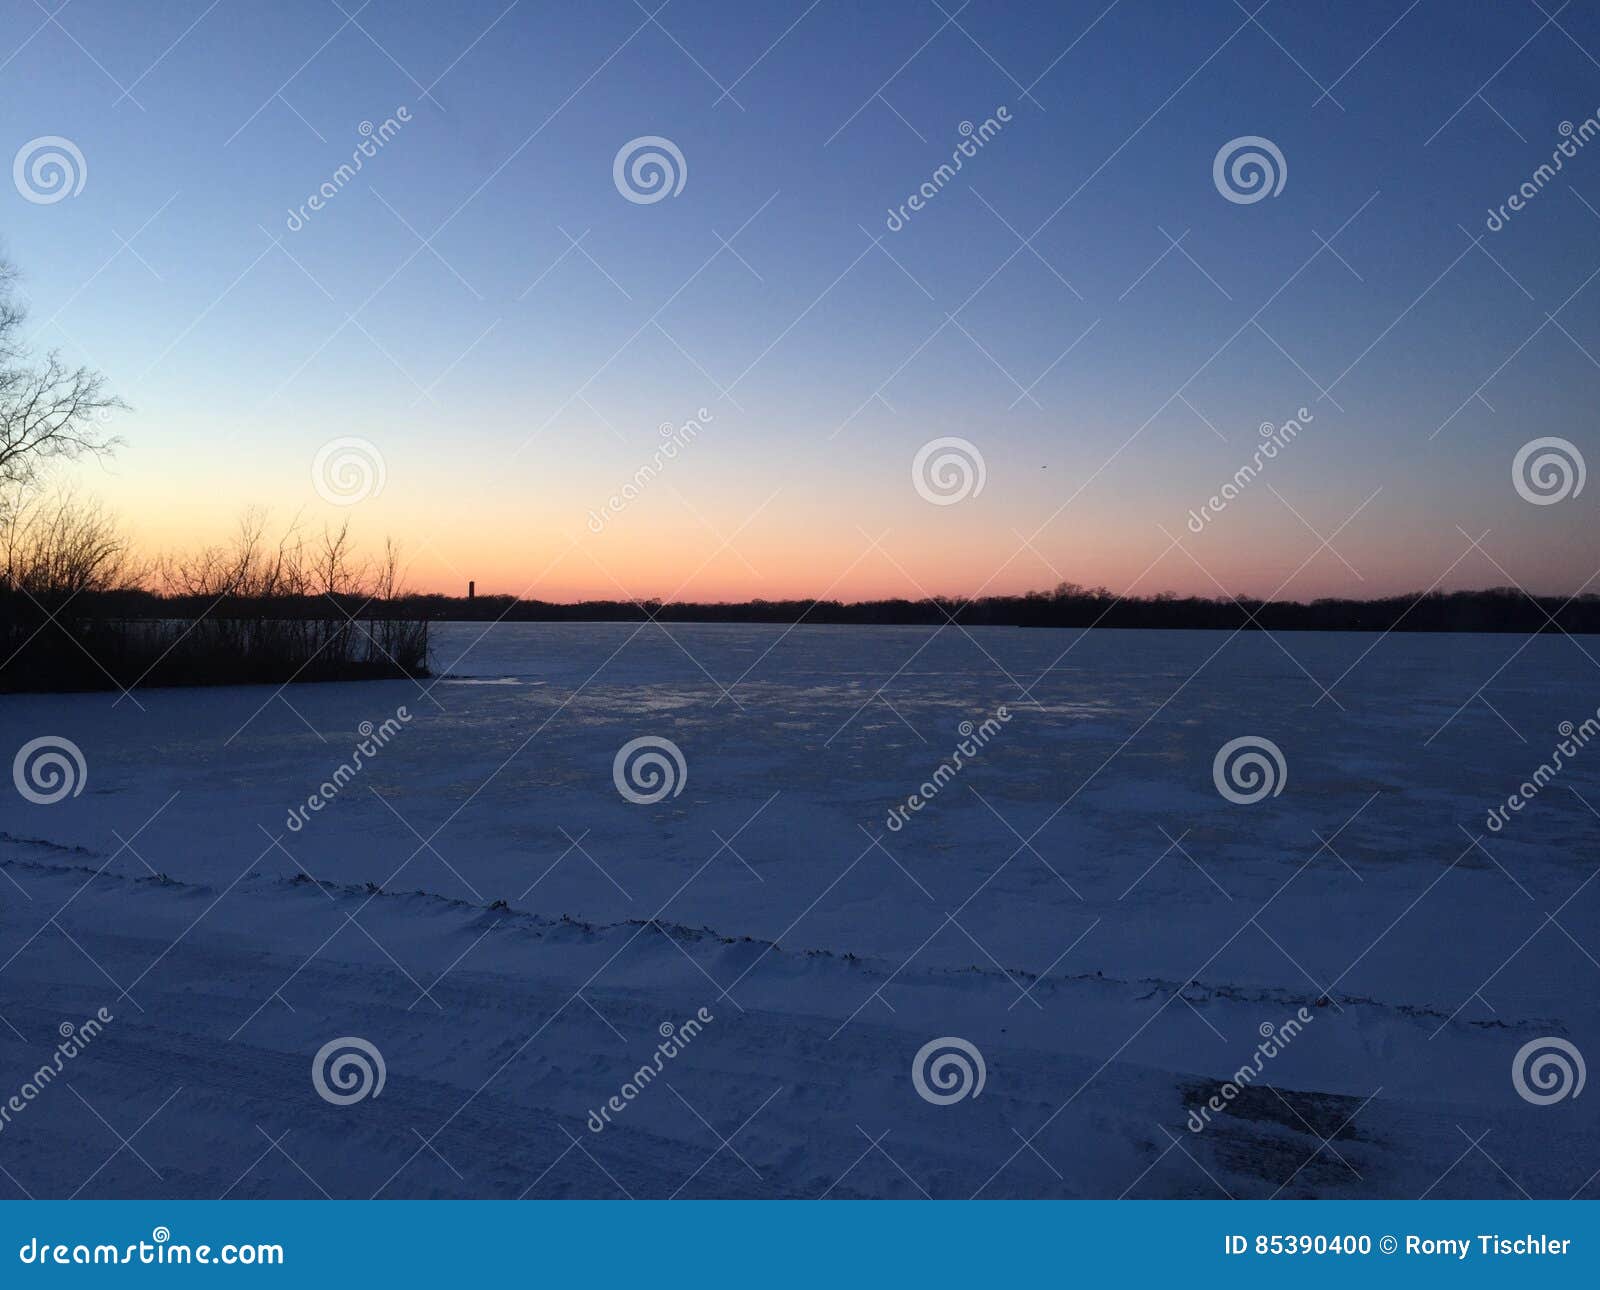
512	383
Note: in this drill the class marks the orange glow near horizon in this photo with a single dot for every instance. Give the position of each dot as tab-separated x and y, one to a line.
687	562
570	568
857	542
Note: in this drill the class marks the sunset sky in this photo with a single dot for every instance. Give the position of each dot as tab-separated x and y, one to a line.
1035	307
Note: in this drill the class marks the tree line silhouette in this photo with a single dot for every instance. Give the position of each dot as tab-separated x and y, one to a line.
1497	609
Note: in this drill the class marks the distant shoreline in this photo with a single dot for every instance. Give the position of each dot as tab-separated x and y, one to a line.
1495	610
811	622
1491	611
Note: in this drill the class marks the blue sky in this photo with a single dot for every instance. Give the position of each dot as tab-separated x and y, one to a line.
1035	307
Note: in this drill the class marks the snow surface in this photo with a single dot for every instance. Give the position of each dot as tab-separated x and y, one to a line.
1079	902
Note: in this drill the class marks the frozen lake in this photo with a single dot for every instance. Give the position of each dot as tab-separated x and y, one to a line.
1078	902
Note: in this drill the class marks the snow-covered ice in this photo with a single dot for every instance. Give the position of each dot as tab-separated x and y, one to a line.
1079	903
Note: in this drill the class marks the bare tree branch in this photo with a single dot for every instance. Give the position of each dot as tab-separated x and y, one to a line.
48	411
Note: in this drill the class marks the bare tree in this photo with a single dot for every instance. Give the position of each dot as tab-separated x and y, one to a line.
55	546
48	410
